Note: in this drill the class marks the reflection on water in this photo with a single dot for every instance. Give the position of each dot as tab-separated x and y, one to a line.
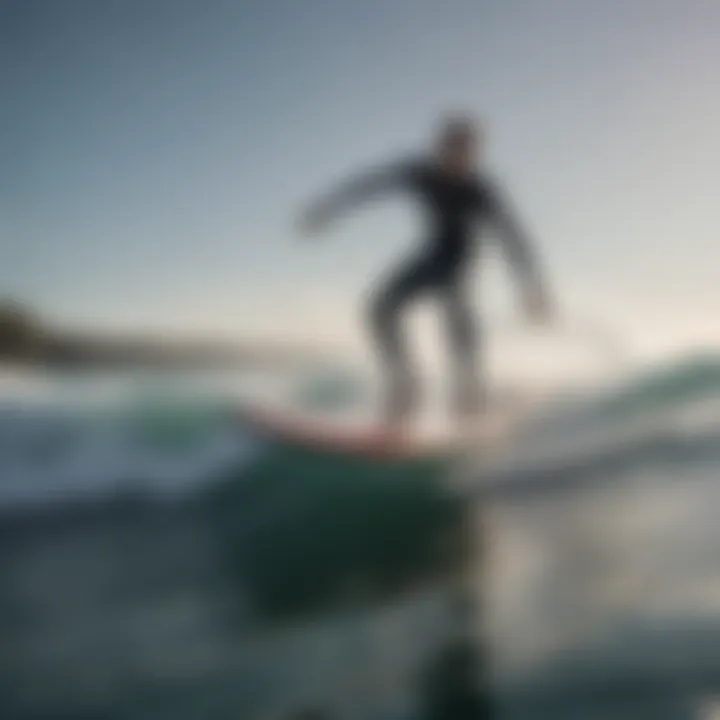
601	599
130	607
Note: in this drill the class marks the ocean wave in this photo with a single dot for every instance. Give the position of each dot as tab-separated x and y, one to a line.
50	452
65	436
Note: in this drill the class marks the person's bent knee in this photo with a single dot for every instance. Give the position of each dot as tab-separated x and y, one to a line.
381	313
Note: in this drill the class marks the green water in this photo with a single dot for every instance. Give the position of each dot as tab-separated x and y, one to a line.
304	525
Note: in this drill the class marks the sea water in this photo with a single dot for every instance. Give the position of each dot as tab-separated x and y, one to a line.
601	587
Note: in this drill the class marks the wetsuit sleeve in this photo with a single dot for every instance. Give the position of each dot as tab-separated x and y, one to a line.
364	187
511	235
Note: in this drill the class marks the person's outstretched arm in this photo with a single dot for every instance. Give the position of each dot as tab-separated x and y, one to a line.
355	191
520	254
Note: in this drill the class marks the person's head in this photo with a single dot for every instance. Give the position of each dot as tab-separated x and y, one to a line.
459	144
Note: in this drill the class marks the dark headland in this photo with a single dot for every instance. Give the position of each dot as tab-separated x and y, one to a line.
26	338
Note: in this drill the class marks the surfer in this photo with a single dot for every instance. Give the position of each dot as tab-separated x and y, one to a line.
455	194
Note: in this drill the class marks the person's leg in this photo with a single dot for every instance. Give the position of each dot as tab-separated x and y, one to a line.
463	340
385	321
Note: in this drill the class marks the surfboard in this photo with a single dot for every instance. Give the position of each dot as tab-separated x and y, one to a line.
362	437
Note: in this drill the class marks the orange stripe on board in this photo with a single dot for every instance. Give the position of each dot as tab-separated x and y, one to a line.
370	441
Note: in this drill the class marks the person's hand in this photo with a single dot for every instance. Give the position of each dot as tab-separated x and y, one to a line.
537	304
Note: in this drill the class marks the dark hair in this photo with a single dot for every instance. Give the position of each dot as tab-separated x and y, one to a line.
457	130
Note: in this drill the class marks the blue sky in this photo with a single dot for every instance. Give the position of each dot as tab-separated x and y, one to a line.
153	154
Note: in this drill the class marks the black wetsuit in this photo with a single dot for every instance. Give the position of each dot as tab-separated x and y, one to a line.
453	209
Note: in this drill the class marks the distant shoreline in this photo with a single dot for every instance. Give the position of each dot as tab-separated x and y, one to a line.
26	341
99	352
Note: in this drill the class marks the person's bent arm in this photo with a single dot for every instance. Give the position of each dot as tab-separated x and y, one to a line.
521	257
357	190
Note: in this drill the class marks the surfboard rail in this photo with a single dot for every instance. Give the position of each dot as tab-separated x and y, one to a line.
361	439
